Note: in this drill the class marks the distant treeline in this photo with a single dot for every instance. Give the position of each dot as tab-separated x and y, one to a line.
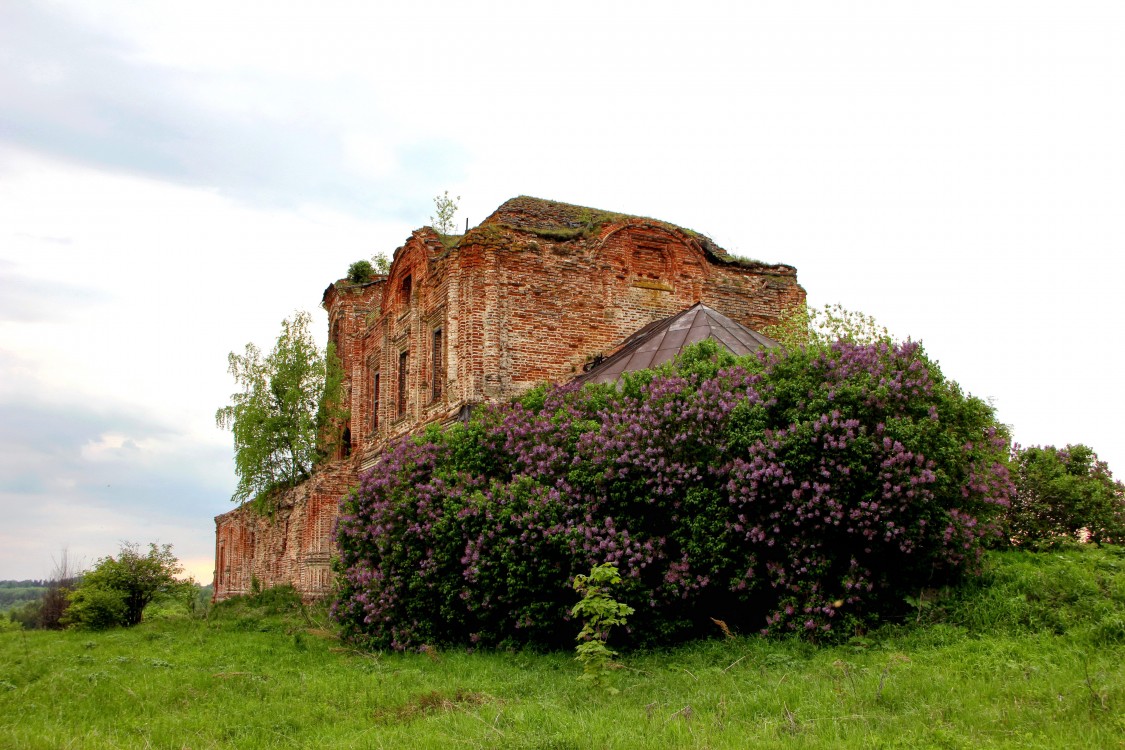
14	593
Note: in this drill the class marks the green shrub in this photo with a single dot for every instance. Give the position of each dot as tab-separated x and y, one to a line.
361	272
138	578
1062	492
96	608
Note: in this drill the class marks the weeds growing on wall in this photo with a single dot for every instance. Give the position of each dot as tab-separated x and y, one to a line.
804	493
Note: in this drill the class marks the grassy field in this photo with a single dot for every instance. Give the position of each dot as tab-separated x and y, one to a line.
1033	659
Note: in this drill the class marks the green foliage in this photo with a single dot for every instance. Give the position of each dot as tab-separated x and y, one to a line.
265	602
445	208
1075	589
381	264
599	612
1061	493
27	614
287	413
804	326
361	272
201	600
332	409
97	608
47	610
17	593
117	590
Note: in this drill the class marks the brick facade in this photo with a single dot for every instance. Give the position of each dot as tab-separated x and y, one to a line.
532	294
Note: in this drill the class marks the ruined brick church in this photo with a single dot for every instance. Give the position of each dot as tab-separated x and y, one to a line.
539	291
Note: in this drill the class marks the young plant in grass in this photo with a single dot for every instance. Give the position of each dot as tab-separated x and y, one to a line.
599	612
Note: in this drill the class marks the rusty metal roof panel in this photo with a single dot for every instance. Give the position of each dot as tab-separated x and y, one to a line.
661	341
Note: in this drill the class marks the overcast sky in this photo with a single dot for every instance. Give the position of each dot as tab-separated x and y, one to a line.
176	178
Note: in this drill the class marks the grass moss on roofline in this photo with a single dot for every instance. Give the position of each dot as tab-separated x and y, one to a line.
559	222
450	241
590	230
486	235
565	222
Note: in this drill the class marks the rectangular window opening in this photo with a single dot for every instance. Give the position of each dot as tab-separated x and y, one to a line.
403	358
375	402
438	365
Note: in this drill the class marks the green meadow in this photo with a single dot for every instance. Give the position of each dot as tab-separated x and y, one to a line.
1032	656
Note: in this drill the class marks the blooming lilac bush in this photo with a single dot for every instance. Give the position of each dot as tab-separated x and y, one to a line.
805	492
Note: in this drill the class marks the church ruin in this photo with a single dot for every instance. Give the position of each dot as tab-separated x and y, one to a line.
537	292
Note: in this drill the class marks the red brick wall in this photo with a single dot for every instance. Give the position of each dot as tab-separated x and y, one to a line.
556	305
294	546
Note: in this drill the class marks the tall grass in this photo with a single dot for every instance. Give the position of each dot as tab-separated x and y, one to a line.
1032	658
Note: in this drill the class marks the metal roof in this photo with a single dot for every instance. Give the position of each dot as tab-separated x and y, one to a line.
661	341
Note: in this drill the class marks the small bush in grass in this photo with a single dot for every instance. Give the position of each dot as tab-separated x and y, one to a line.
599	613
804	493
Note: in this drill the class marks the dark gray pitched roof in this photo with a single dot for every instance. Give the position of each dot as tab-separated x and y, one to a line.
661	341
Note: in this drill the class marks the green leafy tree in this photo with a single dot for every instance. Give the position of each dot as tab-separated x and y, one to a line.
118	589
810	326
381	263
287	414
445	208
1062	491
